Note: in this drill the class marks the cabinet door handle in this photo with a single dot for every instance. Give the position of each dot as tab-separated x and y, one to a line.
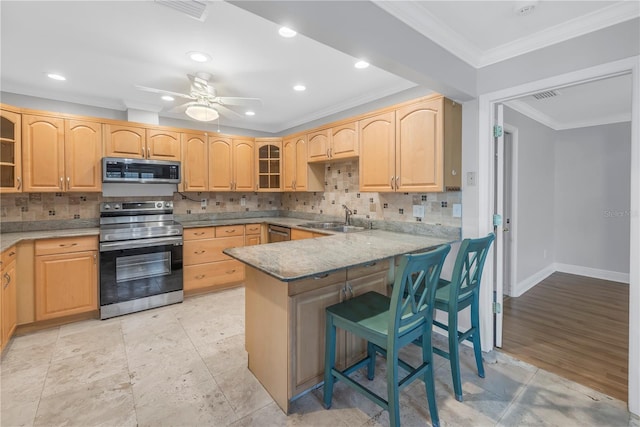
148	153
392	179
330	152
397	182
230	231
62	183
320	276
371	264
12	253
198	233
327	152
6	276
343	295
67	245
143	152
200	276
199	252
95	259
19	183
68	183
231	271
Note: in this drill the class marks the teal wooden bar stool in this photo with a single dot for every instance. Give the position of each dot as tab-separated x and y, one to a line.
455	295
389	324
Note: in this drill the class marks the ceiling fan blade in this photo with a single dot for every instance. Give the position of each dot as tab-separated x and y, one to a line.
164	92
224	111
235	100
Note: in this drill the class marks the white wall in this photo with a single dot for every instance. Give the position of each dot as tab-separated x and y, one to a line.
592	202
535	167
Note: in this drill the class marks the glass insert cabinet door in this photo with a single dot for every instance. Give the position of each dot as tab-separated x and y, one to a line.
10	161
269	166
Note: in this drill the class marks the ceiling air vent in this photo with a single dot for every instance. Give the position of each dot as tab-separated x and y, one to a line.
546	94
192	8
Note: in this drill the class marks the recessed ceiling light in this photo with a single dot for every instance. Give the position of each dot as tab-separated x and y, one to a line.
361	64
55	76
287	32
168	98
299	88
249	113
199	56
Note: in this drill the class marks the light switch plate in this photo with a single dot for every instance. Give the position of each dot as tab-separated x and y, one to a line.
243	201
418	211
203	203
457	210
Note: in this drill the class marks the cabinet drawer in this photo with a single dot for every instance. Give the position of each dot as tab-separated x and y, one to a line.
316	282
211	274
230	230
8	256
253	228
369	268
200	251
198	233
66	245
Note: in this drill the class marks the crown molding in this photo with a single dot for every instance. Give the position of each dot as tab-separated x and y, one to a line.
549	122
343	106
427	24
596	20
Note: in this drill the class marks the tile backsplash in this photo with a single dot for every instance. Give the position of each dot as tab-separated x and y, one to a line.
341	187
341	183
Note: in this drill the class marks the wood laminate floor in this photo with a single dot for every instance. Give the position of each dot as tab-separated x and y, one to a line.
574	326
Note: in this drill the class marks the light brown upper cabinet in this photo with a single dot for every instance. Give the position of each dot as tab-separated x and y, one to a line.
269	164
338	142
10	152
141	143
61	154
194	162
416	148
298	174
231	164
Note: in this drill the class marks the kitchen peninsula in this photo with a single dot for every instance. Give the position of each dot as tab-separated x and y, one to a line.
287	288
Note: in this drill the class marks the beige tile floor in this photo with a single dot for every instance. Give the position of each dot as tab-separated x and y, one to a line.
185	365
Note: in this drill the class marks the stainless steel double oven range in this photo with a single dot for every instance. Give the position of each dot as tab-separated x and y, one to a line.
140	257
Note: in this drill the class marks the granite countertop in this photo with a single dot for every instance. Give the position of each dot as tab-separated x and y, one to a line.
9	239
298	259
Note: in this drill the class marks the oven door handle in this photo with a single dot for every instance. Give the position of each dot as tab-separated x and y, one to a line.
145	243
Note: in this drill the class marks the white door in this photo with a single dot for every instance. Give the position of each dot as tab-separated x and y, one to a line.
498	224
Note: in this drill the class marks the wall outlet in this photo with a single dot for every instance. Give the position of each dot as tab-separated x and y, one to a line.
457	210
243	201
203	203
418	211
471	179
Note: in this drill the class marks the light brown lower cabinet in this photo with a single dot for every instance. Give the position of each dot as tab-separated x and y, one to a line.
205	266
253	233
8	302
66	277
285	326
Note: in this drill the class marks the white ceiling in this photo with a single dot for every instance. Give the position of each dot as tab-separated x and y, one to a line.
105	48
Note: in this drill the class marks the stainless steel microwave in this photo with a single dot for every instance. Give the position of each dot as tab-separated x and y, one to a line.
115	169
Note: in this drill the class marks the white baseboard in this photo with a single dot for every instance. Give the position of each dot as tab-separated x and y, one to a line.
614	276
528	283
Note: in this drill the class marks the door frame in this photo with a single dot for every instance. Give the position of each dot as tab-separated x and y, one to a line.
513	227
486	194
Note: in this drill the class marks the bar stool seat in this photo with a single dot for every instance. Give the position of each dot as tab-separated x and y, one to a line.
388	324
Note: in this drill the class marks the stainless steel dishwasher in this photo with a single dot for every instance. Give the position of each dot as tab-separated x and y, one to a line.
278	233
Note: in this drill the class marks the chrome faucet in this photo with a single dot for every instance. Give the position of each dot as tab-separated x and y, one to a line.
347	214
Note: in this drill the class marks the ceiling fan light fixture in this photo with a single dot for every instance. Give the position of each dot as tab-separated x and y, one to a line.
250	113
201	112
361	65
524	8
299	88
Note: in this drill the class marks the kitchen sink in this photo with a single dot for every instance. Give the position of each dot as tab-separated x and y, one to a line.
340	227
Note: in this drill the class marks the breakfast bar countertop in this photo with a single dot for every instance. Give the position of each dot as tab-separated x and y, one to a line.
299	259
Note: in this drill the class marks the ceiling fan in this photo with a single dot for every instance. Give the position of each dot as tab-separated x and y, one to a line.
205	105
